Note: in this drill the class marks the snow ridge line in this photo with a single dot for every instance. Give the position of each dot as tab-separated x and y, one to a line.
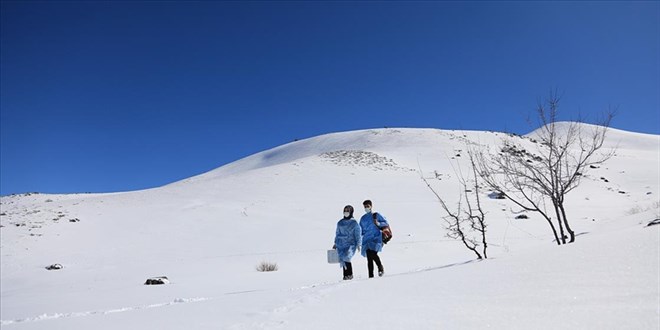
54	316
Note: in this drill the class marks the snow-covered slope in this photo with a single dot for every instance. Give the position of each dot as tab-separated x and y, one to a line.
208	233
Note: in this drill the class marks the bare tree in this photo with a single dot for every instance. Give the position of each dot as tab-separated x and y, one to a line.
468	221
539	181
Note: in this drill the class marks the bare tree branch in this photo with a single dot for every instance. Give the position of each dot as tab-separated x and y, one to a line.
564	152
468	217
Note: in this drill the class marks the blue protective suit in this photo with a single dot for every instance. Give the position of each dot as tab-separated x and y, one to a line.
347	239
372	238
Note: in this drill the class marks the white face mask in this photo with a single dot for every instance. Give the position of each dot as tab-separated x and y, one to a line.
367	209
347	214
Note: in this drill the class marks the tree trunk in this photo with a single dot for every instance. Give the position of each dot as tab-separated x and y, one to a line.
559	221
483	241
554	231
469	246
568	228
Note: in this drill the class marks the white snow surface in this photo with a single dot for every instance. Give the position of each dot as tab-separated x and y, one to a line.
207	234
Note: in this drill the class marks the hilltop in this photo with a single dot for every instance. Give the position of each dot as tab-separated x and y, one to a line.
207	233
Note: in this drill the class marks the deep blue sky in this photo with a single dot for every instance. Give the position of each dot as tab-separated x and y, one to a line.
115	96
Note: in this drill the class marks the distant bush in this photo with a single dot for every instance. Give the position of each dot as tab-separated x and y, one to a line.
639	208
267	266
635	210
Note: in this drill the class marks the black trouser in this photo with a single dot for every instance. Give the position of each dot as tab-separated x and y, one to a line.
348	269
371	257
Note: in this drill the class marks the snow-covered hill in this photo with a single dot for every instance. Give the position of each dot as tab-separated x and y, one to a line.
208	233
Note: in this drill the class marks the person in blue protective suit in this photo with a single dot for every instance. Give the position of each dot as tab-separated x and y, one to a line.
348	239
372	238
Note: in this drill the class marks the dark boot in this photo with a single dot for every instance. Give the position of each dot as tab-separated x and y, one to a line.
375	258
348	271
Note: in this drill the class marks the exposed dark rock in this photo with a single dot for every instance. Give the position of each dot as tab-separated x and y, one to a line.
157	280
55	267
497	195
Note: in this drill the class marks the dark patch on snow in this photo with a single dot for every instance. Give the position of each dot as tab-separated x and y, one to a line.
653	223
159	280
497	195
55	267
355	158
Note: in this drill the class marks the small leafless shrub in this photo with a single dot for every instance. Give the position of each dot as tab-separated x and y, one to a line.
639	209
467	222
635	210
267	266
